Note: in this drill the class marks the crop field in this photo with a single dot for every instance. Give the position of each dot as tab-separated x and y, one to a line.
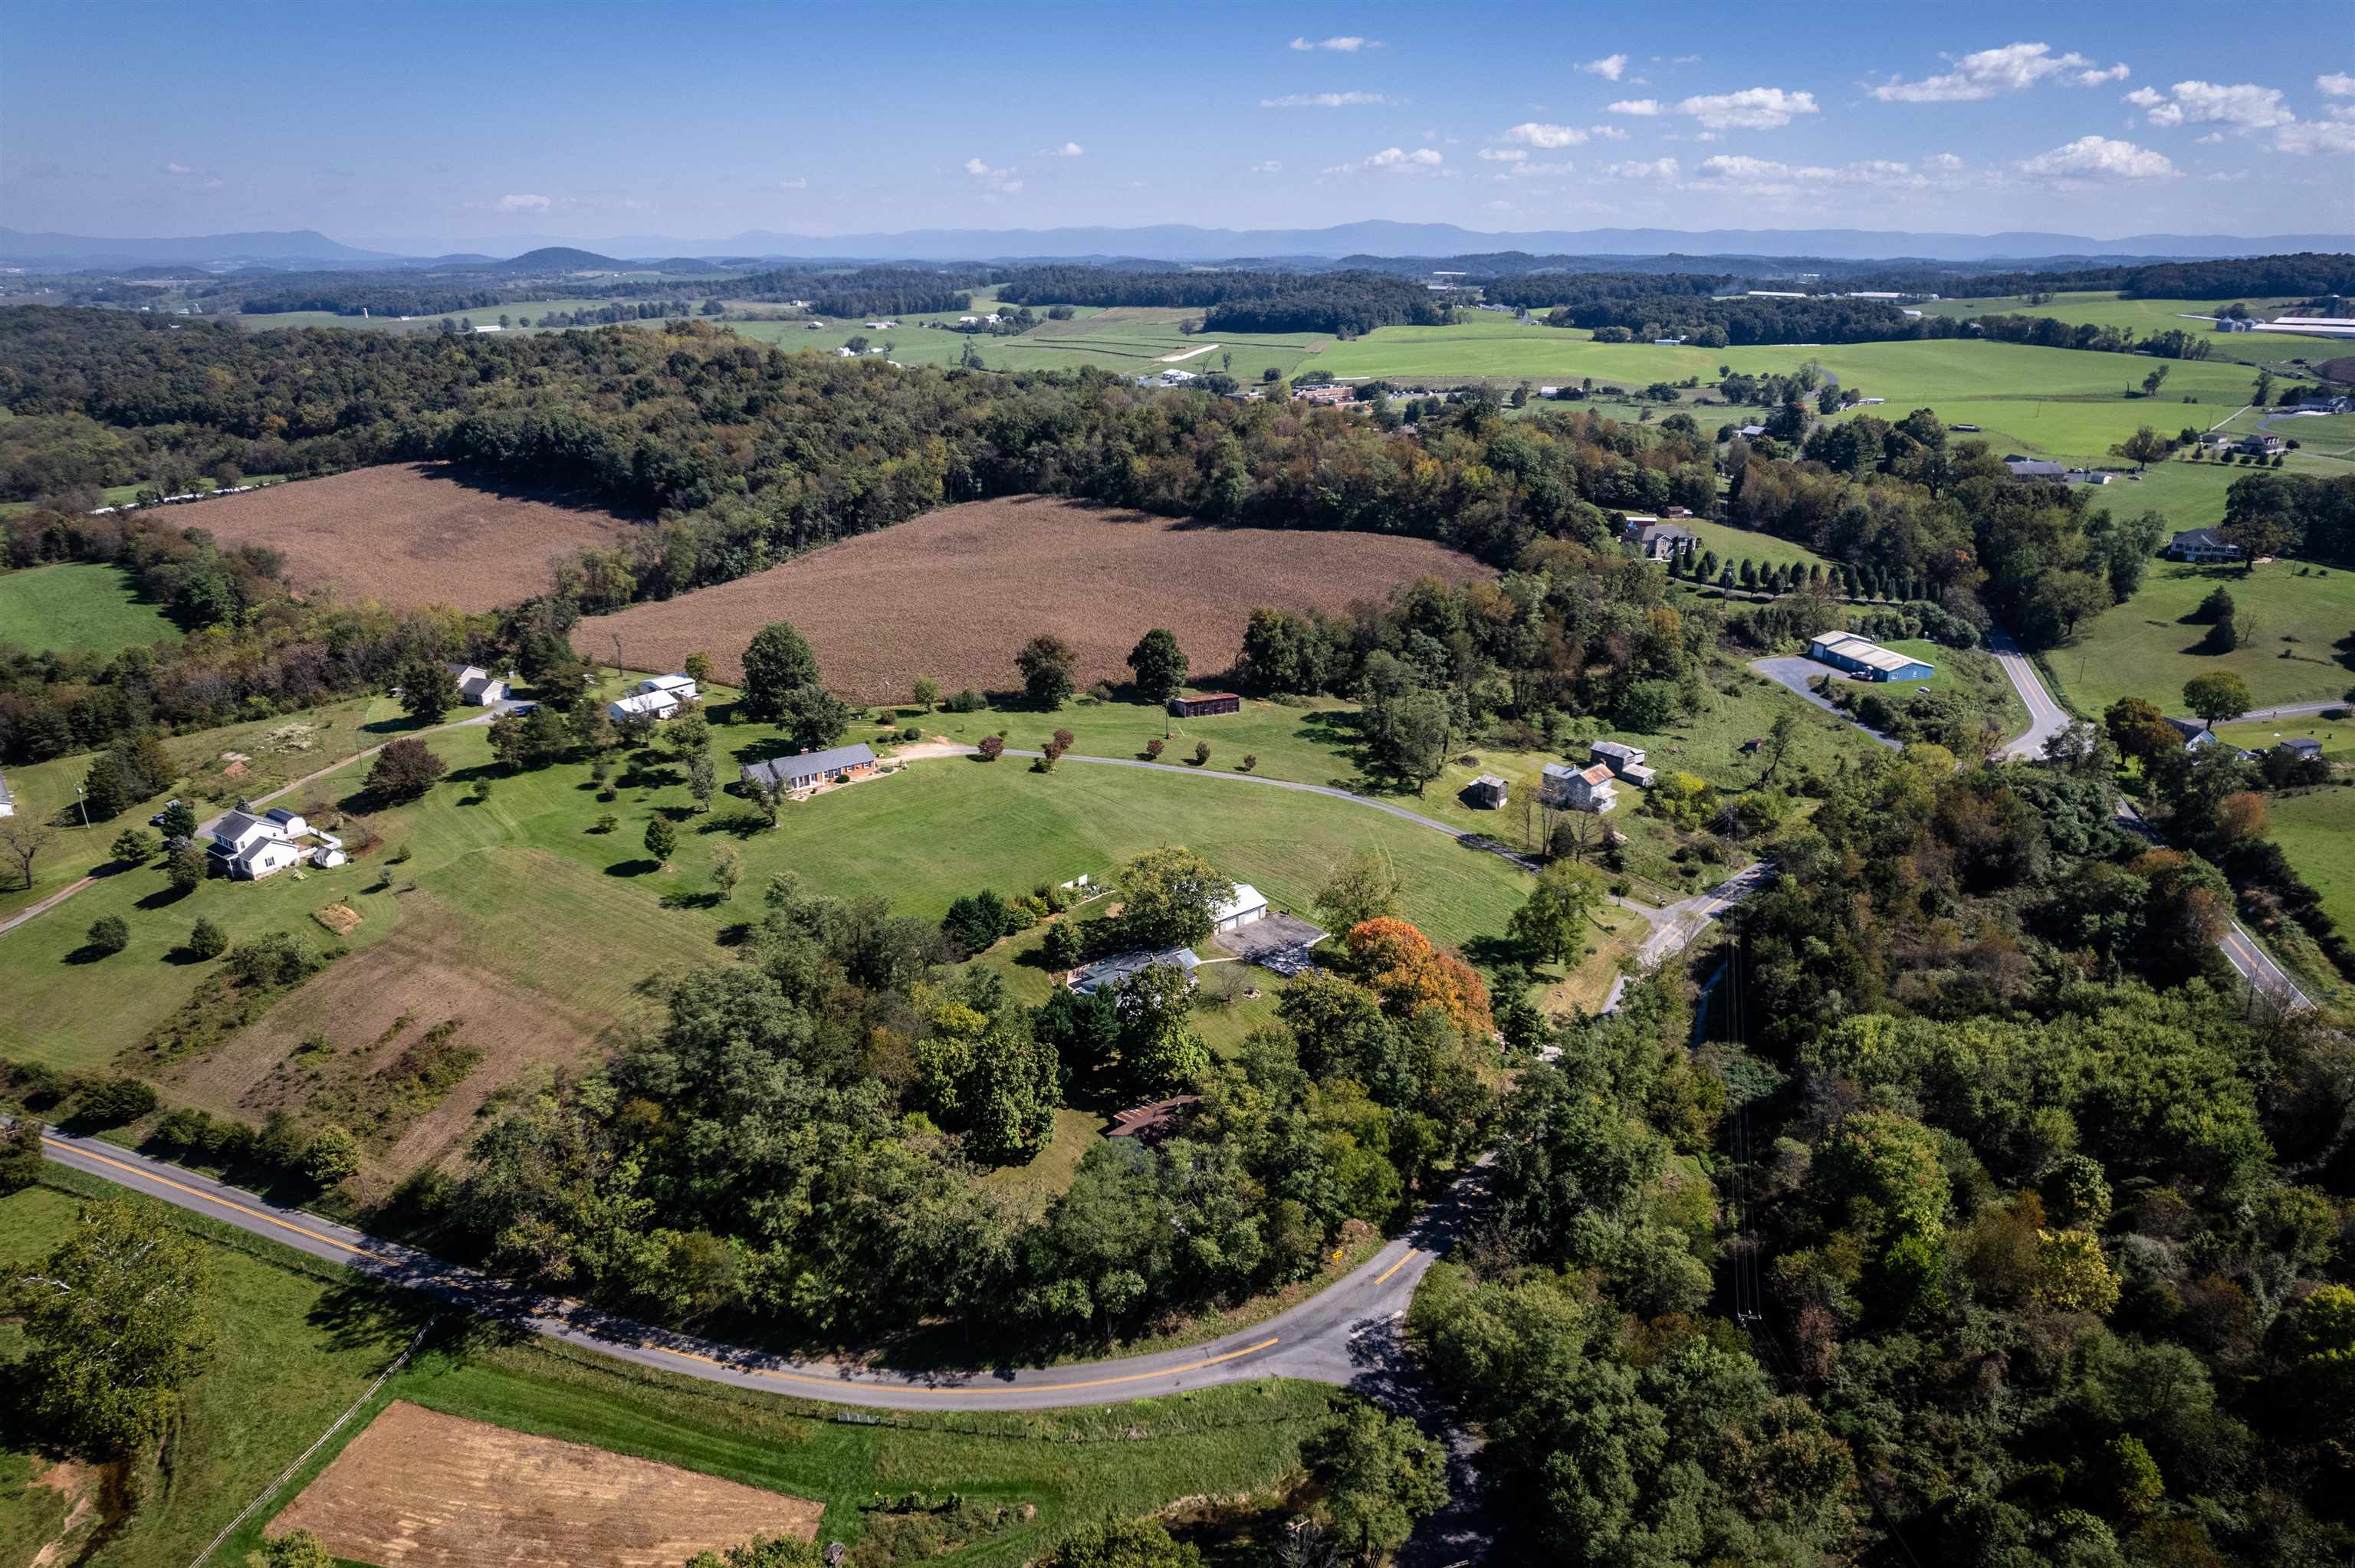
441	1491
2044	400
2144	317
411	533
955	594
299	1340
77	608
2294	619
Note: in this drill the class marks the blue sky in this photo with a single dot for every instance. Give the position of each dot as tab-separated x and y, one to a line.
424	125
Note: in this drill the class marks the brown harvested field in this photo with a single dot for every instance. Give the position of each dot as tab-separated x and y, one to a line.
439	1491
955	593
408	534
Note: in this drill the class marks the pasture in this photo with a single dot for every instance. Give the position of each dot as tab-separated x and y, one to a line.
77	608
413	533
2315	828
298	1340
955	593
1130	340
2294	620
2107	308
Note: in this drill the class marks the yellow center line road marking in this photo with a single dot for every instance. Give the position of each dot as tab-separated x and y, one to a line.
223	1202
836	1383
1384	1277
833	1382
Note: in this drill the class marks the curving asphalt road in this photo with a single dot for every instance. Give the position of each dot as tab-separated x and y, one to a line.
2241	950
1345	1334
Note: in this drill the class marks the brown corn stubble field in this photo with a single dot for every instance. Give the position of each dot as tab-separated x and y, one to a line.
422	1489
408	534
955	594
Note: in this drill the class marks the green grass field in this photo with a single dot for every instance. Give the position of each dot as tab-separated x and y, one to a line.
537	901
517	312
1732	544
1134	341
298	1341
2144	317
2315	828
2144	648
81	608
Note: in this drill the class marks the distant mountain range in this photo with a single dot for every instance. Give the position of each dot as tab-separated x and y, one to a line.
1171	242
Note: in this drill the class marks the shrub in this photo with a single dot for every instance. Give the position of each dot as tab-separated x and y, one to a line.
991	748
331	1155
1250	760
910	732
111	1102
1152	748
208	941
1201	752
606	823
965	702
110	933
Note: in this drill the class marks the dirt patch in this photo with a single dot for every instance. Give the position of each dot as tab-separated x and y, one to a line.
439	1491
955	594
354	1026
411	534
340	919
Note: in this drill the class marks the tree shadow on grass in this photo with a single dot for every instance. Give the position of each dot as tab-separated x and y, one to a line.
163	898
707	899
88	953
359	1311
183	956
632	868
737	824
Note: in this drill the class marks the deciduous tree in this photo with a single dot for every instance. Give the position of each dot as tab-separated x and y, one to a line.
404	769
1047	662
1158	665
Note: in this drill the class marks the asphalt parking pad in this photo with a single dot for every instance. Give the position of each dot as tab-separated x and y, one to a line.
1276	941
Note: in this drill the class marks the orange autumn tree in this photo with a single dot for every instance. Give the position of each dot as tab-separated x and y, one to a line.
1401	965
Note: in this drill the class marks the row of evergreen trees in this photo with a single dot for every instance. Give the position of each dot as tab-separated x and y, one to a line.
1702	568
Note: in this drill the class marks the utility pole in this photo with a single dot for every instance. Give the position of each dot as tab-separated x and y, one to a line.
82	799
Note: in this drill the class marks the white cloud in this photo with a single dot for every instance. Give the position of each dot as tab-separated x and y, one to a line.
1067	150
997	182
2012	69
2243	106
1346	46
2336	85
1684	59
523	204
2315	136
2210	140
1946	160
1751	109
1656	169
1269	166
1766	176
1610	132
1608	68
1534	168
1504	154
793	185
2099	158
1533	133
1393	161
204	179
1326	100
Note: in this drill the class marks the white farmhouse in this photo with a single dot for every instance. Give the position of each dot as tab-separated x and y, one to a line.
249	848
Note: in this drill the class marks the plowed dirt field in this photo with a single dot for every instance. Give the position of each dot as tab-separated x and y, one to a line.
954	595
422	1489
408	534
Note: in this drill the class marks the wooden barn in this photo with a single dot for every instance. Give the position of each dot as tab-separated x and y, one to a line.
1207	704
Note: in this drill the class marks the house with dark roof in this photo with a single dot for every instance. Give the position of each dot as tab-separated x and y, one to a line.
2035	467
2202	545
808	769
249	848
1111	972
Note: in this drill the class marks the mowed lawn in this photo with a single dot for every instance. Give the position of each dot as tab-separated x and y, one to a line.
546	906
296	1342
2293	617
77	608
2146	317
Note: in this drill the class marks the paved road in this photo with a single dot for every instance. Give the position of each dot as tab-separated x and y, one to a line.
2046	719
2241	950
1345	1334
2287	710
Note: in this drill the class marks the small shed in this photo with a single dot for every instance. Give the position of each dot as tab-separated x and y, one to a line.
1485	793
1205	704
